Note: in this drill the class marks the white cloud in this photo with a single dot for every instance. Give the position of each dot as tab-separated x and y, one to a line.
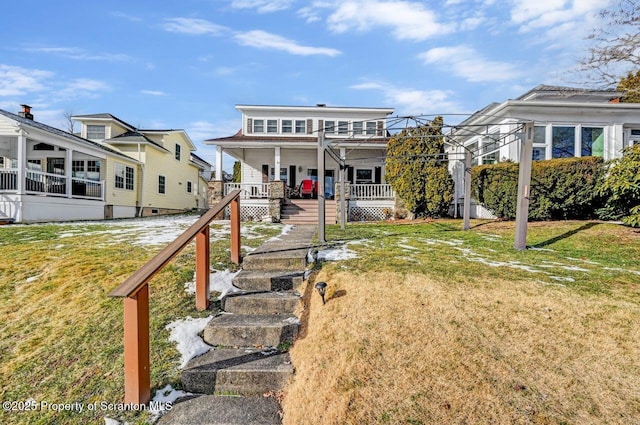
262	6
153	92
264	40
18	81
408	20
533	14
126	16
81	87
465	62
412	101
193	26
77	53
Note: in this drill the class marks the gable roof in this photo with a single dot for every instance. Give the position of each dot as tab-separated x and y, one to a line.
569	94
61	133
106	116
135	137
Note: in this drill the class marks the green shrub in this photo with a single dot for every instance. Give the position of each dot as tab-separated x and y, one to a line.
567	188
622	189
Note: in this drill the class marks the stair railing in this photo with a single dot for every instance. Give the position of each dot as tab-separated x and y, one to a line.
135	291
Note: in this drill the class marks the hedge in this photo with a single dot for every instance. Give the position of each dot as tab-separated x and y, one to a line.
564	188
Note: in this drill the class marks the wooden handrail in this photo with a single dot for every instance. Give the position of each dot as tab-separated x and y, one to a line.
135	291
144	274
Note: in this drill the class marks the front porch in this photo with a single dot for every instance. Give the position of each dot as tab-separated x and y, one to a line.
364	202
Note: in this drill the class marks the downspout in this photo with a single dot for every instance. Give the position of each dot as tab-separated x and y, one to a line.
141	182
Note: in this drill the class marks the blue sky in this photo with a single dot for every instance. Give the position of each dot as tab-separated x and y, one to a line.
186	64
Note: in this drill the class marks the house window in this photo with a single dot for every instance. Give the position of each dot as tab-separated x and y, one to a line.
43	147
343	127
272	126
77	169
313	173
539	154
563	142
162	187
93	171
357	127
124	176
178	149
592	141
34	164
287	126
189	187
491	153
330	127
371	128
96	132
1	161
539	134
258	126
301	126
283	174
364	175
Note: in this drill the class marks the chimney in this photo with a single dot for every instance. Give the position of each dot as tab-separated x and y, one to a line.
321	105
26	112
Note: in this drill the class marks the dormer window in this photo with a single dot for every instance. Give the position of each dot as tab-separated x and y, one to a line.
329	127
96	132
258	126
343	127
272	126
357	127
371	128
287	126
301	126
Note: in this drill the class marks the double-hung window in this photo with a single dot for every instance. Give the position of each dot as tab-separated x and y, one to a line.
357	128
272	126
258	126
563	142
96	132
178	151
371	128
301	126
189	186
287	126
343	127
123	176
330	127
162	184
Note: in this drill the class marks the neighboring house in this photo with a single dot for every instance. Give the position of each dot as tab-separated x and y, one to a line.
280	144
569	122
47	174
171	177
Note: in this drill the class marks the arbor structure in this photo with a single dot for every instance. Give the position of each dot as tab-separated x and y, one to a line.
416	167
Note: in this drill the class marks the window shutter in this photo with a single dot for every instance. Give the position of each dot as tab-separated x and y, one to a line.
320	125
380	128
249	125
309	126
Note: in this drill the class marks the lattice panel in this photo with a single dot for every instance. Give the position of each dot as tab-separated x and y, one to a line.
253	212
367	213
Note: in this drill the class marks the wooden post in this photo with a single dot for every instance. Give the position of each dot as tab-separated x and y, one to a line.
235	230
524	184
137	373
467	191
202	269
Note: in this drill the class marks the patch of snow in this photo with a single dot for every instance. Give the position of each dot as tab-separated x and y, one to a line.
337	254
575	268
533	248
562	279
109	421
619	269
32	278
409	247
292	320
164	399
219	281
59	246
184	333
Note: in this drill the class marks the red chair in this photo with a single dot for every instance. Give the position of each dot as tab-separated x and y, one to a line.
306	188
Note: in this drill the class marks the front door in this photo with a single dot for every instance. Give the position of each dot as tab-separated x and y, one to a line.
292	176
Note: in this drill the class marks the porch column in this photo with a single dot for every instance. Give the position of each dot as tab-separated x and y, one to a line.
276	167
22	163
218	163
68	172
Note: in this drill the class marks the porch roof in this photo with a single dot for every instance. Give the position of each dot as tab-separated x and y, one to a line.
60	133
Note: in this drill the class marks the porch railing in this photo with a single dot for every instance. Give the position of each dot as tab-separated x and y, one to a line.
135	291
371	191
51	184
249	190
9	179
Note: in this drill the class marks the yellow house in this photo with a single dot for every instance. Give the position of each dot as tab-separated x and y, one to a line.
170	177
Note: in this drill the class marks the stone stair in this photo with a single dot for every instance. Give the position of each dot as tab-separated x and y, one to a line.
305	211
249	341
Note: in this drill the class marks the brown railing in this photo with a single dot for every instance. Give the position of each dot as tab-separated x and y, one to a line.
135	291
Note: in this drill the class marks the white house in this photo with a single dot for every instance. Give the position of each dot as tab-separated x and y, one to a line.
280	144
569	122
47	174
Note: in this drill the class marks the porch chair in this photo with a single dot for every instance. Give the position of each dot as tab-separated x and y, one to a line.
306	188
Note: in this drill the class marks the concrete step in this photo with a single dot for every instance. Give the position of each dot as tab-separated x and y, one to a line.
214	410
240	330
259	280
237	371
280	258
278	302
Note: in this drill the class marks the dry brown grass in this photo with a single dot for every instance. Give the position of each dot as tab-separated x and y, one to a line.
395	348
